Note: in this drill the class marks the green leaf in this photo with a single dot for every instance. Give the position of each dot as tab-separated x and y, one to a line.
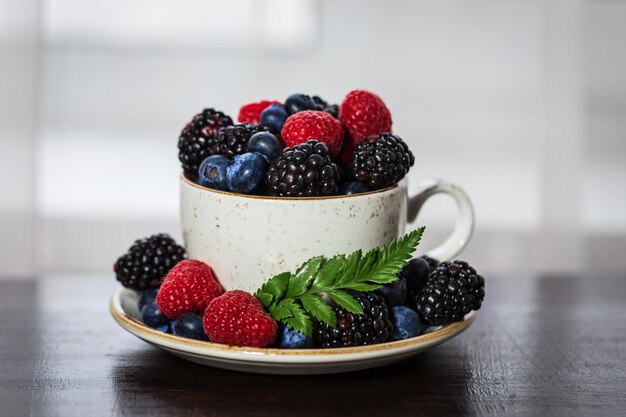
361	286
395	258
301	281
265	298
274	289
380	277
366	264
282	310
328	273
294	298
350	269
345	300
319	309
300	321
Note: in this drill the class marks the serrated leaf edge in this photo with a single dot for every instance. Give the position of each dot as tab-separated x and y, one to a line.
369	272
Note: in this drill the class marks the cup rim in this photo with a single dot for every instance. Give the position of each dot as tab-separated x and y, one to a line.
187	181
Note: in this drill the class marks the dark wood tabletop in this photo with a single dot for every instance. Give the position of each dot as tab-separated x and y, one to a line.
540	346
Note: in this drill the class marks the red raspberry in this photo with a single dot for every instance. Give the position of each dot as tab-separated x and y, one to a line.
250	113
364	113
237	318
312	124
188	287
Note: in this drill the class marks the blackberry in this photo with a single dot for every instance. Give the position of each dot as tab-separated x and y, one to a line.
148	261
194	139
372	327
381	160
304	170
453	290
233	140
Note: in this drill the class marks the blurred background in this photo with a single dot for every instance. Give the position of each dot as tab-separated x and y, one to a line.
521	102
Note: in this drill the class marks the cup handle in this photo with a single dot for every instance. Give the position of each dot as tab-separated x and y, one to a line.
457	241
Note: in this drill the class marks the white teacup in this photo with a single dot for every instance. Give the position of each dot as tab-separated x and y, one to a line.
247	239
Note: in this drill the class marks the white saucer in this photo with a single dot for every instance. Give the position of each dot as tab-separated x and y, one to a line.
123	306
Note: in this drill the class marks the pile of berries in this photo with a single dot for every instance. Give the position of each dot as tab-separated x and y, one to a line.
183	297
302	147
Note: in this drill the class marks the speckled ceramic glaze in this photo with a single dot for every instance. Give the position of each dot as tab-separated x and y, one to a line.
248	239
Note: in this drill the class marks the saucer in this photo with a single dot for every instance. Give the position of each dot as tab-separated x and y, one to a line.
123	306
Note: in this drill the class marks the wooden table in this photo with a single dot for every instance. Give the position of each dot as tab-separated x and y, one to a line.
545	346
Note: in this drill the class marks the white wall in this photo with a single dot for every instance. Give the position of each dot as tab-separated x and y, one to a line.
19	76
520	102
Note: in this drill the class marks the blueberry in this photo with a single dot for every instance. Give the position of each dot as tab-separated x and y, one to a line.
245	172
190	326
299	102
152	317
291	339
354	187
274	117
406	323
416	274
266	144
148	296
395	292
212	172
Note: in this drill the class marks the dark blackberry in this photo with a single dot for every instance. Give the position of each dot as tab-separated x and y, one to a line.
148	261
304	170
372	327
453	290
233	140
194	139
381	160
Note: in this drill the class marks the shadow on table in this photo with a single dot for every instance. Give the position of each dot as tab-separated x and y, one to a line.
159	384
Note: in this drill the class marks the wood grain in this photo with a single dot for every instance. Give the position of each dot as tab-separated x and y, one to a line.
540	346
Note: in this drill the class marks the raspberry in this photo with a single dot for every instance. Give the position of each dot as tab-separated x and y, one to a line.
237	318
312	124
250	113
364	114
188	288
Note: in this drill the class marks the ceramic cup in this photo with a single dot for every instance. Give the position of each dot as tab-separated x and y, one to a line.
248	239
